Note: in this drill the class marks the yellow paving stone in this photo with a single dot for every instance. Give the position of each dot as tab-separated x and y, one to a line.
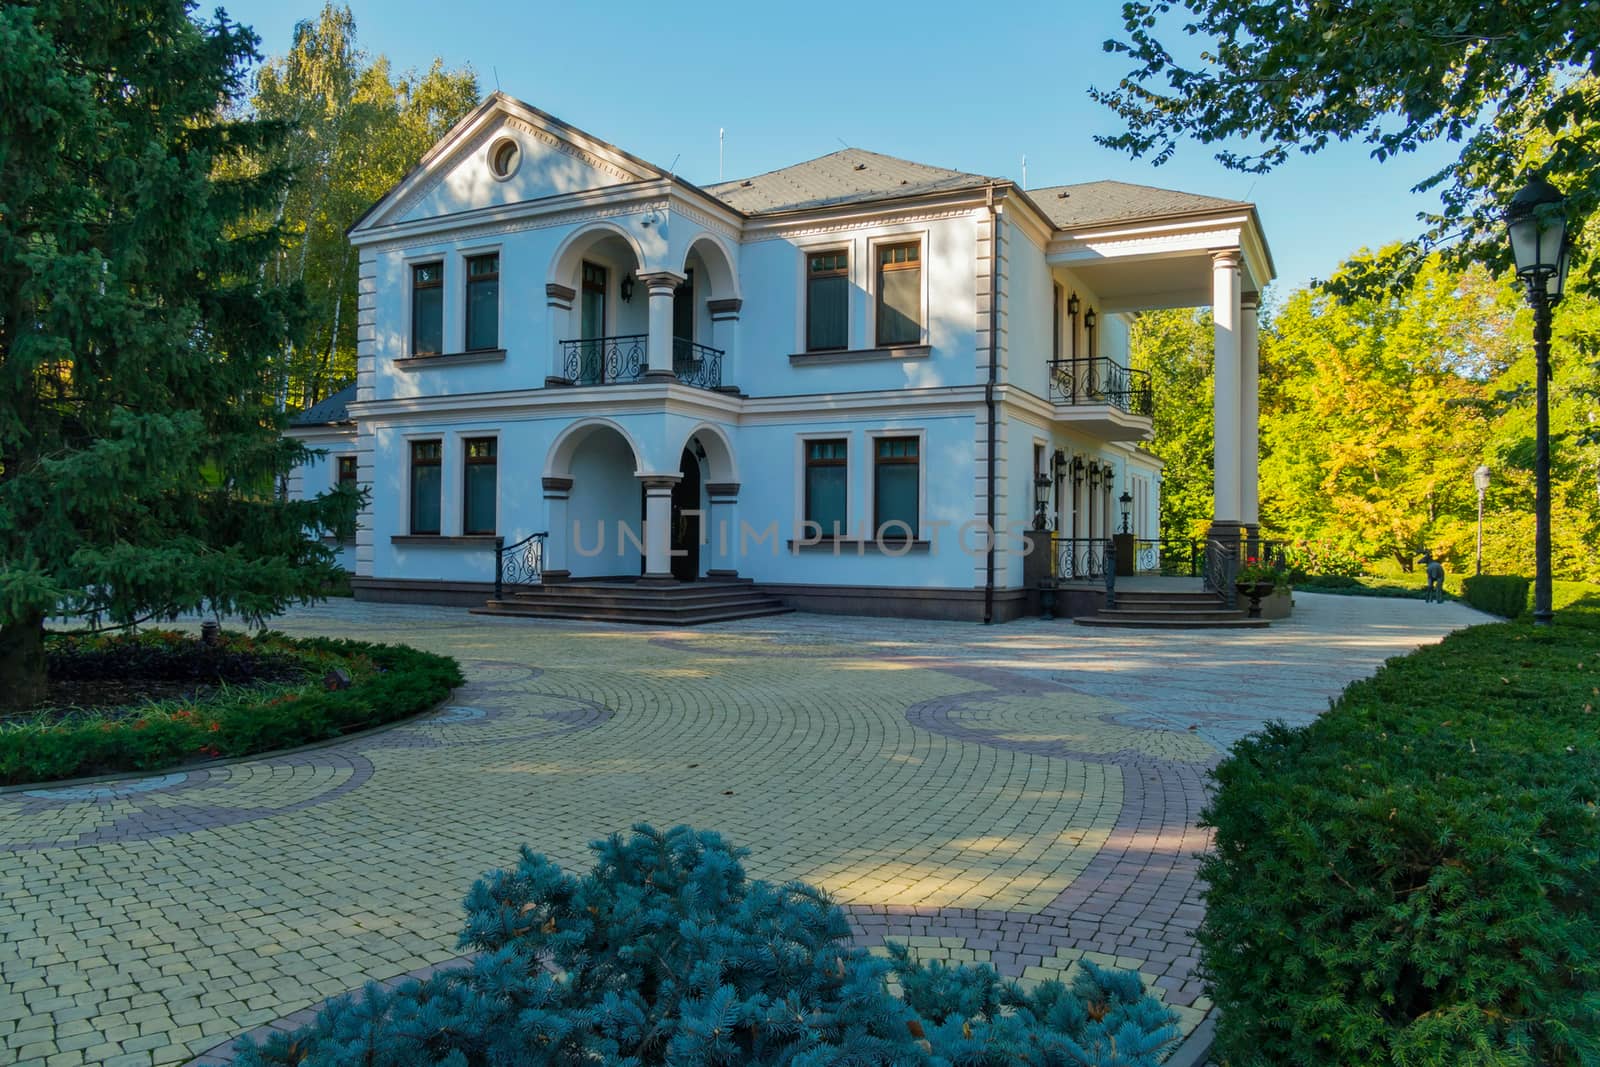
798	739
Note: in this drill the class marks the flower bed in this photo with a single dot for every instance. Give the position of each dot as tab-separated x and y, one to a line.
240	696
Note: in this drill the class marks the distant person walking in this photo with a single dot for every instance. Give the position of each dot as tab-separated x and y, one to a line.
1435	572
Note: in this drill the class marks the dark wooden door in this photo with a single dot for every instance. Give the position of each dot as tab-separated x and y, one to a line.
686	521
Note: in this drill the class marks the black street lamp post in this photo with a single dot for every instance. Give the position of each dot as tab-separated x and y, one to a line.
1480	478
1539	244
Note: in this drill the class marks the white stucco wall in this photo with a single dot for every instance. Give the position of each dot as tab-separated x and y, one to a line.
320	474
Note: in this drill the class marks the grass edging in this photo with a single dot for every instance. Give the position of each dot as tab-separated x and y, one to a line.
388	684
229	761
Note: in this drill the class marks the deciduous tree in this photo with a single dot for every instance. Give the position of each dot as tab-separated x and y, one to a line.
1264	79
359	130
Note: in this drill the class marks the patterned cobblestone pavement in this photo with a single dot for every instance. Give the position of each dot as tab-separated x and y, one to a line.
1024	795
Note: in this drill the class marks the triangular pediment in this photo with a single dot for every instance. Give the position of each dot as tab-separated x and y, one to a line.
466	170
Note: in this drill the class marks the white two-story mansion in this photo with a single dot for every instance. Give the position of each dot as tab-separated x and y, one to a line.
831	380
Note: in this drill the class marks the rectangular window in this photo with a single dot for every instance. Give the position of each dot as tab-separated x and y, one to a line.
425	486
478	481
1058	310
827	301
347	471
427	309
900	294
895	488
483	302
827	485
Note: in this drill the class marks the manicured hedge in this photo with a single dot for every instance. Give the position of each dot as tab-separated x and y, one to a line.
1348	586
388	682
1413	878
1506	595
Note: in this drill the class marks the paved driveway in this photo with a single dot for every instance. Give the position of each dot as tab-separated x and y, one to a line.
1023	794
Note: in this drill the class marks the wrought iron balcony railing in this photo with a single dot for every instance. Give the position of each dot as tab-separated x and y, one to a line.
696	365
604	360
1098	380
613	360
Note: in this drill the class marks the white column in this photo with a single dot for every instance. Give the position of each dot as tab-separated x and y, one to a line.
721	531
658	526
557	491
1249	414
558	317
1225	426
661	285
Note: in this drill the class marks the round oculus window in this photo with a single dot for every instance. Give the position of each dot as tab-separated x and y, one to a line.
504	157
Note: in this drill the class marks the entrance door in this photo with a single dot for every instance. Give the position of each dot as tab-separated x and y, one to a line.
592	323
686	526
683	323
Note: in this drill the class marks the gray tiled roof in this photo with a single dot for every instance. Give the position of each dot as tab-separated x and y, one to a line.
1107	201
851	175
334	409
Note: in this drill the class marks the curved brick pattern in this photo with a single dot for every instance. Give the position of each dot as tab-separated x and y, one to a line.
1026	791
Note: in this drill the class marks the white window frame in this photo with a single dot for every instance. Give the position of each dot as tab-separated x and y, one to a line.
461	438
407	438
408	262
804	250
919	236
852	501
871	481
461	257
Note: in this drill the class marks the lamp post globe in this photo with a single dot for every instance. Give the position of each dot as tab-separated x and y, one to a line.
1538	231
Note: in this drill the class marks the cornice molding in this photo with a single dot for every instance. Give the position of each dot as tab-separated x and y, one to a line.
513	225
589	401
859	216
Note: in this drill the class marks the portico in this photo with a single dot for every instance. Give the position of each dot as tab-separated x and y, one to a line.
1208	252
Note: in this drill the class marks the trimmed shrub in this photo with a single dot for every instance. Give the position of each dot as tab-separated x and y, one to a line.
1505	595
388	682
1412	878
1347	586
666	953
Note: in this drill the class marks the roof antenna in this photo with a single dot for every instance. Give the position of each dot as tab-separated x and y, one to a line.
836	137
1024	172
722	135
495	71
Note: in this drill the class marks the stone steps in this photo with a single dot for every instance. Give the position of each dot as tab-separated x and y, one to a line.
682	604
1146	609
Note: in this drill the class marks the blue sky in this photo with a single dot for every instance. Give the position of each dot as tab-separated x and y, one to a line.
973	87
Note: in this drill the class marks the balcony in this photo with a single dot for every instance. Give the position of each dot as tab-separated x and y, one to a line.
1102	396
625	358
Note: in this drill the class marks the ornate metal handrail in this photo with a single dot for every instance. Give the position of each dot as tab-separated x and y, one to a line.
604	360
1099	380
696	365
1111	573
1222	566
1079	557
521	563
626	358
1167	556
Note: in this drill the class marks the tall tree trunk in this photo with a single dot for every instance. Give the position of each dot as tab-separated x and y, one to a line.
22	676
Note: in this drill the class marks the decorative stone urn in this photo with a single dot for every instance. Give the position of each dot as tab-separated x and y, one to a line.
1255	591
